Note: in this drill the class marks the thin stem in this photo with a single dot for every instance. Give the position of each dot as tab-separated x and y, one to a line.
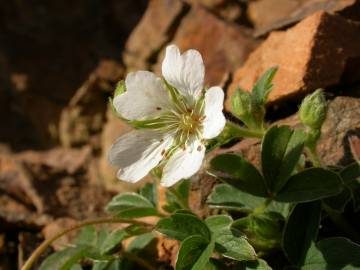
40	249
240	132
314	157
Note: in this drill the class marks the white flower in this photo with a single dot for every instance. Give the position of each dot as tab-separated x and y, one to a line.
174	116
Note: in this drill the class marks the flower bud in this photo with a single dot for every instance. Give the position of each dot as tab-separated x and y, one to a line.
313	110
241	106
120	88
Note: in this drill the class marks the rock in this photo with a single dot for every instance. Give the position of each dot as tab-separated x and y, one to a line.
57	47
17	181
263	13
223	45
37	186
167	250
57	226
57	160
269	15
354	142
310	55
82	120
28	242
228	10
154	30
15	214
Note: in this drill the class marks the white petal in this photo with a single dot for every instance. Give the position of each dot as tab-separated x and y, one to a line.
214	118
145	97
137	152
183	164
184	72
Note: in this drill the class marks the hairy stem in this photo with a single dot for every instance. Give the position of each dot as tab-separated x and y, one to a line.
240	132
314	157
40	249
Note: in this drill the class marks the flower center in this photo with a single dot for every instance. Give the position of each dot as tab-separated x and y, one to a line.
189	123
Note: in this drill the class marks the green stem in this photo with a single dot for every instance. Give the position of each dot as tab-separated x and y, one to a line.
240	132
314	157
40	249
340	222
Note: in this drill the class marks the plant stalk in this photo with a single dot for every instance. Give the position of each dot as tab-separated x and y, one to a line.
40	249
240	132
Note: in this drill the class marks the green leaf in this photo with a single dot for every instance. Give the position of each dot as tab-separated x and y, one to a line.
263	231
149	192
235	247
256	265
339	201
350	173
218	222
87	236
310	185
112	241
335	253
227	243
76	267
281	151
180	226
140	242
64	259
215	265
239	173
225	196
117	264
263	86
301	230
131	205
194	253
178	197
351	178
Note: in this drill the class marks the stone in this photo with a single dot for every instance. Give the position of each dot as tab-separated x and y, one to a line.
354	142
57	226
310	55
57	160
58	46
27	243
153	31
17	181
82	120
223	45
269	15
227	10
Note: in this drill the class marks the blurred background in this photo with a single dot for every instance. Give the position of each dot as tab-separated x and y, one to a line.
60	61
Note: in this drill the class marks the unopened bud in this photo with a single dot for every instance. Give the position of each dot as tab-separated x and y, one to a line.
241	106
313	110
120	88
